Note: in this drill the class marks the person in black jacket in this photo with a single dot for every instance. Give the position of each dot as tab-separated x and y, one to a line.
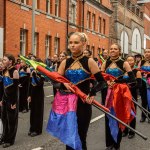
9	101
36	97
134	91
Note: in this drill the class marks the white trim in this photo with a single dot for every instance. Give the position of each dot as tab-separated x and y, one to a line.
146	36
48	17
97	9
147	17
24	8
38	148
57	20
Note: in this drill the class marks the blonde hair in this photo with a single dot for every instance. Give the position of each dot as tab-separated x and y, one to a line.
82	35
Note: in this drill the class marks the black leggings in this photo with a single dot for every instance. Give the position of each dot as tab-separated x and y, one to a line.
143	93
84	113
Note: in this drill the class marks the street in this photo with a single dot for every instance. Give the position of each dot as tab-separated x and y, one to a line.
96	134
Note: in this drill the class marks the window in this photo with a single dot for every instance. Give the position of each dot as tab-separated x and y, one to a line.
47	45
128	4
23	41
93	22
73	13
88	19
141	15
99	25
133	8
57	8
37	4
36	43
88	47
56	45
137	11
25	2
93	50
104	26
48	6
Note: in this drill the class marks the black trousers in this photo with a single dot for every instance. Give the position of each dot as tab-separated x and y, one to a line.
109	139
143	93
10	123
84	113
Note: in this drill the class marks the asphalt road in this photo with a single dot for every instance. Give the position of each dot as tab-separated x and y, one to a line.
95	138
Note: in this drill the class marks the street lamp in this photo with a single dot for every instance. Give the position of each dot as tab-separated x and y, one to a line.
33	26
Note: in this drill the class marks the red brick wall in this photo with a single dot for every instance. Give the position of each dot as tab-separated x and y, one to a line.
1	13
147	24
16	18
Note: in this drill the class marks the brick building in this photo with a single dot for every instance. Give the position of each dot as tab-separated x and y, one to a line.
54	21
128	27
147	25
1	27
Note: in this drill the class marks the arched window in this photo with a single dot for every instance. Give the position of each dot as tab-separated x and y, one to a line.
136	41
124	42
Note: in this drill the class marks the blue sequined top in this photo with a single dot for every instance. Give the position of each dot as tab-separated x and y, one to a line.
116	72
7	81
146	68
22	74
33	81
77	75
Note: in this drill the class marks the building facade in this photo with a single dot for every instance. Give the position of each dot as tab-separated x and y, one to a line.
128	27
54	20
146	8
1	28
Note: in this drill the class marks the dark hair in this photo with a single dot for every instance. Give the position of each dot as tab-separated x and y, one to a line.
138	55
130	56
89	51
10	57
38	60
63	52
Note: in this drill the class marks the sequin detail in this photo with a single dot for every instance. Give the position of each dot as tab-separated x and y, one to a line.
146	68
76	76
34	83
22	74
125	77
114	72
7	81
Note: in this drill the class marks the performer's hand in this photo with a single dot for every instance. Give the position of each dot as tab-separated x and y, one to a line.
68	87
13	106
1	103
29	99
20	85
110	83
89	99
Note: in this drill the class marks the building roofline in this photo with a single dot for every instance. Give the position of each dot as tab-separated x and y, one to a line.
100	6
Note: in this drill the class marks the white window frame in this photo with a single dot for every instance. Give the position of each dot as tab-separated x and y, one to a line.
56	45
24	2
23	41
48	5
88	20
93	22
57	8
35	42
47	45
73	13
99	25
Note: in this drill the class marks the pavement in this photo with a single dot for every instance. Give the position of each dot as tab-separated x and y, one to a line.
95	137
